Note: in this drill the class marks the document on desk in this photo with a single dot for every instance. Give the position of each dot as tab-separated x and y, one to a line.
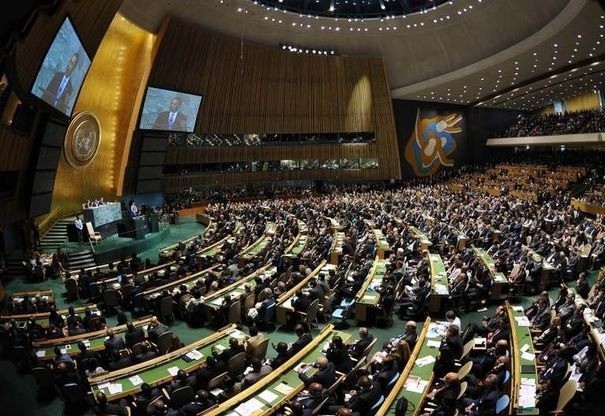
115	388
522	320
135	380
250	407
527	396
173	371
284	389
421	362
524	348
194	355
415	385
268	396
40	353
433	344
518	308
528	356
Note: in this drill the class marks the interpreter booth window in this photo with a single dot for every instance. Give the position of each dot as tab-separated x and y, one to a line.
306	164
368	163
349	163
329	164
289	165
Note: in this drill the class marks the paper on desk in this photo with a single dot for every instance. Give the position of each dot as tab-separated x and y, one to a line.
135	380
432	343
194	355
421	362
522	320
103	386
173	371
63	351
440	288
283	388
416	386
527	396
528	356
249	407
528	381
115	388
518	308
268	396
40	353
524	348
369	297
220	348
236	334
216	391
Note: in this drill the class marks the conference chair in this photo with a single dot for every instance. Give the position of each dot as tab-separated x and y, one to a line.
71	286
248	304
464	370
111	300
261	351
565	395
164	342
234	315
166	309
93	236
310	317
463	387
181	396
217	381
468	347
392	382
236	365
377	404
502	405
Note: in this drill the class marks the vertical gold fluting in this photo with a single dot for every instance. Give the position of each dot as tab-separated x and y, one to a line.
112	92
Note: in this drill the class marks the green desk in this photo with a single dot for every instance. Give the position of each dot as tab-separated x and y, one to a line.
547	268
189	281
336	249
439	283
425	243
253	249
42	318
237	288
382	245
499	280
523	365
298	245
589	319
49	295
282	384
415	380
155	372
94	341
367	298
284	302
302	227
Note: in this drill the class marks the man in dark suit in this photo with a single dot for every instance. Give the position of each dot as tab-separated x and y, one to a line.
133	335
172	119
446	397
365	339
304	338
59	89
113	342
326	375
486	404
234	349
367	395
104	408
211	368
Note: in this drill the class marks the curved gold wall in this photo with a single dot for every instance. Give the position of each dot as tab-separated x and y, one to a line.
112	91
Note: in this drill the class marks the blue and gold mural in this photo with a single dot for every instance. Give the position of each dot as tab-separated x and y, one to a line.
432	143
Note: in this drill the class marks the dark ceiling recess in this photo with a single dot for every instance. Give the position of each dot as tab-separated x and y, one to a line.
16	18
353	9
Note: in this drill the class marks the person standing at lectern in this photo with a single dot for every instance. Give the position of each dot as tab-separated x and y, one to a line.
79	228
60	88
172	119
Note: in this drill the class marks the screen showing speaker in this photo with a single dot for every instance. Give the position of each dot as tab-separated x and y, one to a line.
169	110
63	70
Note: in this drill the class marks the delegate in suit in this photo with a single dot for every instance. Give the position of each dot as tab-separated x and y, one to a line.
172	119
59	89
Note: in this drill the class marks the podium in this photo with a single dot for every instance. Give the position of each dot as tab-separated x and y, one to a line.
134	228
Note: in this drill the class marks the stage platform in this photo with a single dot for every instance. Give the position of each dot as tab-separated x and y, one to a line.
113	247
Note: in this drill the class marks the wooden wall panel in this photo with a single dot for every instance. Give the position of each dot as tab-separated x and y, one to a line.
251	88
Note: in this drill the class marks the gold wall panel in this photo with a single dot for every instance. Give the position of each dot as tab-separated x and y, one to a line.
589	101
110	91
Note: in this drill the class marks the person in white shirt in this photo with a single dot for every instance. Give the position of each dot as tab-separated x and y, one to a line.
134	210
80	228
452	319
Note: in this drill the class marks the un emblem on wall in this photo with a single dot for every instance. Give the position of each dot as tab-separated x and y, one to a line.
82	139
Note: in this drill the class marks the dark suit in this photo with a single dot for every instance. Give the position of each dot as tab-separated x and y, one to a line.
362	403
359	347
161	122
486	405
134	337
326	377
446	400
299	344
50	95
340	358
